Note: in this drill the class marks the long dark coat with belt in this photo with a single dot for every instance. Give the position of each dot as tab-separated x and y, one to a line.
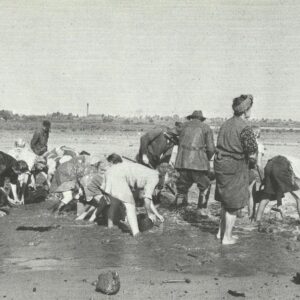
196	146
231	166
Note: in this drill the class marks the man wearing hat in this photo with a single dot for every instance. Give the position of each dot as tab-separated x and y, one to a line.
195	150
156	146
39	141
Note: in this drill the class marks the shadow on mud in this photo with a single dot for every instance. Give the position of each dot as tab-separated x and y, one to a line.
37	228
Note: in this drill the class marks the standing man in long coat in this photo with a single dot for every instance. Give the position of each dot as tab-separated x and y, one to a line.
196	148
39	141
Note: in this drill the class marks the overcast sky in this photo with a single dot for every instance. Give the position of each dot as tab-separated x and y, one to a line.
151	57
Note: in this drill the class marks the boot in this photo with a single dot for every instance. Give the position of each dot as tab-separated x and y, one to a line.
202	206
201	203
181	200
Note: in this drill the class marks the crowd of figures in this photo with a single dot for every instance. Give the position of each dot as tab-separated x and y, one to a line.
108	191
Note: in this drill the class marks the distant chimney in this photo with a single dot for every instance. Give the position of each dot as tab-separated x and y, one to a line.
87	109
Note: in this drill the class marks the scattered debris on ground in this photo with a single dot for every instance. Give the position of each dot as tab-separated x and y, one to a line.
185	280
236	294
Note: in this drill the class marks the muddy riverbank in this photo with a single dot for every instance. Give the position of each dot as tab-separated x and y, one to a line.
62	261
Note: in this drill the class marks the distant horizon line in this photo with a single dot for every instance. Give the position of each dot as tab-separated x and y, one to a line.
131	116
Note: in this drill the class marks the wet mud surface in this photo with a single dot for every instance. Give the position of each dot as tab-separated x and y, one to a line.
55	257
184	246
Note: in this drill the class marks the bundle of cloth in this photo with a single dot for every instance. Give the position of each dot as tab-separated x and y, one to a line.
74	180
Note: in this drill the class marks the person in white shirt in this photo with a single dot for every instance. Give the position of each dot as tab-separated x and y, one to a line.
121	177
21	152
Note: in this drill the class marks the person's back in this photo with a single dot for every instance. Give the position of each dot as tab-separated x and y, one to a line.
8	172
7	163
24	154
295	164
196	146
229	138
152	144
39	141
121	177
134	174
137	174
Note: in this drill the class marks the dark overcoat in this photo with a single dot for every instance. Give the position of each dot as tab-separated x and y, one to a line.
196	146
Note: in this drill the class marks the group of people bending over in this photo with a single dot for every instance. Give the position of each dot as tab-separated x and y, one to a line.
111	189
99	190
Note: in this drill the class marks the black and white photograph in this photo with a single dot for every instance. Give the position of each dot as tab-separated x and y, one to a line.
149	149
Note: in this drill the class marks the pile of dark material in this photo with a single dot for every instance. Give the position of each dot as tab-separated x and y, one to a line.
108	283
144	222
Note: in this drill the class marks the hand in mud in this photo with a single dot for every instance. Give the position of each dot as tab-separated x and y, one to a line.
161	218
152	217
145	159
13	202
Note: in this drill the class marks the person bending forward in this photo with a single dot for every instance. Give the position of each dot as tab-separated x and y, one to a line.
121	177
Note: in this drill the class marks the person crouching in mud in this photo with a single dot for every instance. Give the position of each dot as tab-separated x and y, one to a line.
121	177
282	175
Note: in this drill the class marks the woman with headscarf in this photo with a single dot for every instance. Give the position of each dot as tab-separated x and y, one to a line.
235	145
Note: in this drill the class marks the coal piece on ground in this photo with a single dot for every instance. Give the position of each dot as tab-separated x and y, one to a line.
108	283
290	247
236	294
144	222
296	279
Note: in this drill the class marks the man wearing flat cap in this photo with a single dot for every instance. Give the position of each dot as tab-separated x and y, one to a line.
195	150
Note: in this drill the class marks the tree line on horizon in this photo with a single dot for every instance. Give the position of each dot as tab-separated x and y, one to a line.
57	117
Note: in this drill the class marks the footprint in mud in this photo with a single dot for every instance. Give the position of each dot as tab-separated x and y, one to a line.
204	223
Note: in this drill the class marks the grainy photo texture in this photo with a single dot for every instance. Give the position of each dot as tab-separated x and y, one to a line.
149	149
